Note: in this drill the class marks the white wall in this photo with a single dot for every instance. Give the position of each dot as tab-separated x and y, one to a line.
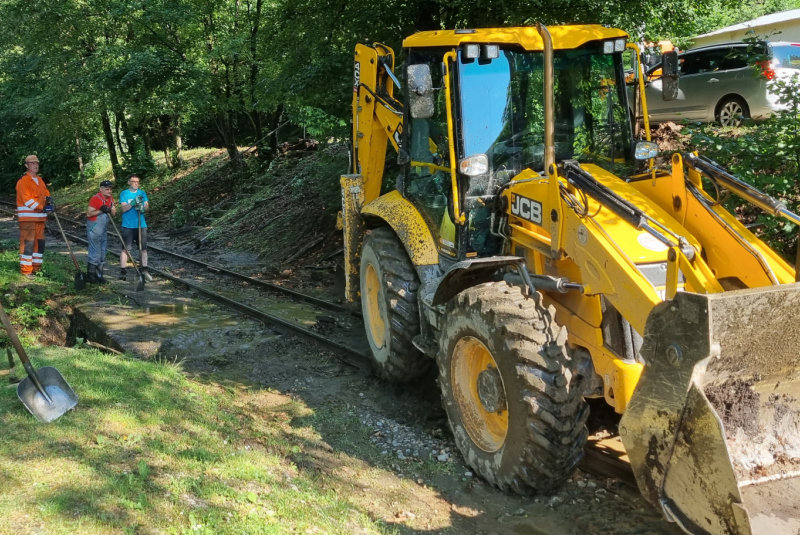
790	31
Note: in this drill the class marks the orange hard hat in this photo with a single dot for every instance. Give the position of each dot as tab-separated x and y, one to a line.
32	158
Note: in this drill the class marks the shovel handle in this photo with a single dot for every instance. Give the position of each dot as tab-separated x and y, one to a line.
135	266
21	352
63	235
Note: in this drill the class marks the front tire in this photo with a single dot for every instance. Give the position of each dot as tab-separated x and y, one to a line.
389	287
731	111
515	408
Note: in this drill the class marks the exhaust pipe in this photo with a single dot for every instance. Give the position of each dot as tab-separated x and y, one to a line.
549	114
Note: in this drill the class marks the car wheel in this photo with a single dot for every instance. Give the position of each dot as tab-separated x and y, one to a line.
731	111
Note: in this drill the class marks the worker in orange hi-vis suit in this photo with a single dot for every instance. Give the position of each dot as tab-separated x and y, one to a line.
33	203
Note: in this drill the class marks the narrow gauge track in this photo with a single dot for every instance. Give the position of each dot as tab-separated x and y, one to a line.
604	458
334	307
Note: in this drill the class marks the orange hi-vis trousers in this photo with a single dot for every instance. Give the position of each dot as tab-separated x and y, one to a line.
31	246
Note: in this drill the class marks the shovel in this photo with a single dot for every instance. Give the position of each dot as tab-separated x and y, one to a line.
140	282
44	393
80	279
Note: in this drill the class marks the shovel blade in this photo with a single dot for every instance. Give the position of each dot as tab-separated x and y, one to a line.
140	284
713	428
62	395
80	281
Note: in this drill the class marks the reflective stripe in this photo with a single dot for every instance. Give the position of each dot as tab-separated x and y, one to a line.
34	215
23	263
37	260
30	202
24	209
35	205
35	255
26	256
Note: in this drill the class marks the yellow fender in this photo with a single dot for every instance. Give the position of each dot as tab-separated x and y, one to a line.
408	224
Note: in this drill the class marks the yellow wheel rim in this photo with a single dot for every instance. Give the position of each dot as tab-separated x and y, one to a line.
487	430
377	326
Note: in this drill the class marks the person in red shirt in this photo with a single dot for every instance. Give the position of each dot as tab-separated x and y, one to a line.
101	208
33	203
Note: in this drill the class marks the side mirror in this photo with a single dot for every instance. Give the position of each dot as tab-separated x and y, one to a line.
420	91
670	72
646	150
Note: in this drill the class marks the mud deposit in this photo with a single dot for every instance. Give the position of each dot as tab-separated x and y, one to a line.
737	405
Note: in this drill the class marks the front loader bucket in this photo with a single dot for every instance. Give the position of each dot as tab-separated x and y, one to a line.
713	428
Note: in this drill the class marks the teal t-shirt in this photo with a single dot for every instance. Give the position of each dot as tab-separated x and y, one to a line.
129	217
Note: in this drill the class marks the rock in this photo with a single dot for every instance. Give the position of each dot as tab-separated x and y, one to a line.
467	474
555	501
443	458
581	484
591	484
519	512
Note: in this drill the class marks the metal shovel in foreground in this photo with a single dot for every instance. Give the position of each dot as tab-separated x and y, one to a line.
44	393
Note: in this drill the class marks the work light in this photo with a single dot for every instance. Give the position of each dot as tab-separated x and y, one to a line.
608	47
491	52
471	51
619	45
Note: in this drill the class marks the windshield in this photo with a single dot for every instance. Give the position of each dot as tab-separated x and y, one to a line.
502	111
786	56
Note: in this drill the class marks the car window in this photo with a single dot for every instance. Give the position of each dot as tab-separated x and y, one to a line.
709	60
735	59
786	56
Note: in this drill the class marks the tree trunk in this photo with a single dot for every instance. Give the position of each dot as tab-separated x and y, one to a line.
223	123
116	131
130	138
167	158
112	151
79	154
178	142
254	79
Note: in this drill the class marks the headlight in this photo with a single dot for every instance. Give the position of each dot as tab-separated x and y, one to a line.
608	47
491	52
471	50
619	45
474	165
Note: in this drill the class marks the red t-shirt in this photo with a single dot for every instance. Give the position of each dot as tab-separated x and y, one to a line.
97	201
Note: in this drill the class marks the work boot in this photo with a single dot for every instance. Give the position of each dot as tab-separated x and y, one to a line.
99	272
91	273
146	275
123	274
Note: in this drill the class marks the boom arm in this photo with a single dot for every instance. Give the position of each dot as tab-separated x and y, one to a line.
377	115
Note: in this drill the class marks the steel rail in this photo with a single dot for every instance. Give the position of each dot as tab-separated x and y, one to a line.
351	356
233	274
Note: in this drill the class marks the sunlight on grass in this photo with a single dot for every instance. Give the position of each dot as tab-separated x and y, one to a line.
149	449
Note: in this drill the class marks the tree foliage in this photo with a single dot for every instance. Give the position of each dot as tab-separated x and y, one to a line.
84	78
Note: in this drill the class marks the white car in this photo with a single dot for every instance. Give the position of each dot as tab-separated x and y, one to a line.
716	84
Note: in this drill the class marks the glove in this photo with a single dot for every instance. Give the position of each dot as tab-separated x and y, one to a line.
105	209
49	200
139	203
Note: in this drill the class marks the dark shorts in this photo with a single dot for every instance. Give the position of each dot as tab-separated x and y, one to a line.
131	236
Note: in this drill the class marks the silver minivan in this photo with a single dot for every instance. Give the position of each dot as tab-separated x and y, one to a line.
716	84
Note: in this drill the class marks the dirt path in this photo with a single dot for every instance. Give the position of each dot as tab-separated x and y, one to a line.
386	447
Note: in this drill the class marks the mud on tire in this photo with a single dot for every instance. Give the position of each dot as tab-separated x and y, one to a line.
389	287
545	429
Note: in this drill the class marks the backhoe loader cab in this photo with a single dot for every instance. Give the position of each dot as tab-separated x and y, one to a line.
534	254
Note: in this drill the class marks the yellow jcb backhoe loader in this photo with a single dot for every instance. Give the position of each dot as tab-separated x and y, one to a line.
534	252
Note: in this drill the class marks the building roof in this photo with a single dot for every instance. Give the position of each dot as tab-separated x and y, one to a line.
766	20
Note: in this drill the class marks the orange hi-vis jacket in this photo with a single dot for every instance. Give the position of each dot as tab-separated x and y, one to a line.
31	198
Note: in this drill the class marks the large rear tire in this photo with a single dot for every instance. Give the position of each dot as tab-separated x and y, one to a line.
389	287
514	405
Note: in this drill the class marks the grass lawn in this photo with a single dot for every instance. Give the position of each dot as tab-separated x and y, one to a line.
149	450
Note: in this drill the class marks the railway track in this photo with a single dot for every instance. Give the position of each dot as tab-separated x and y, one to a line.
605	457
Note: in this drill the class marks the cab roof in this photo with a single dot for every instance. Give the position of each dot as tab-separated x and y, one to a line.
564	37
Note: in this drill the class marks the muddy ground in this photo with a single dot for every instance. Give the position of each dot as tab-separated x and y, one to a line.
424	486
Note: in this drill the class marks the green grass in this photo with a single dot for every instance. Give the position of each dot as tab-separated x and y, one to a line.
147	450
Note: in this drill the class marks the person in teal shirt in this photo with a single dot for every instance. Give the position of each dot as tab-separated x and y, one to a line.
134	204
